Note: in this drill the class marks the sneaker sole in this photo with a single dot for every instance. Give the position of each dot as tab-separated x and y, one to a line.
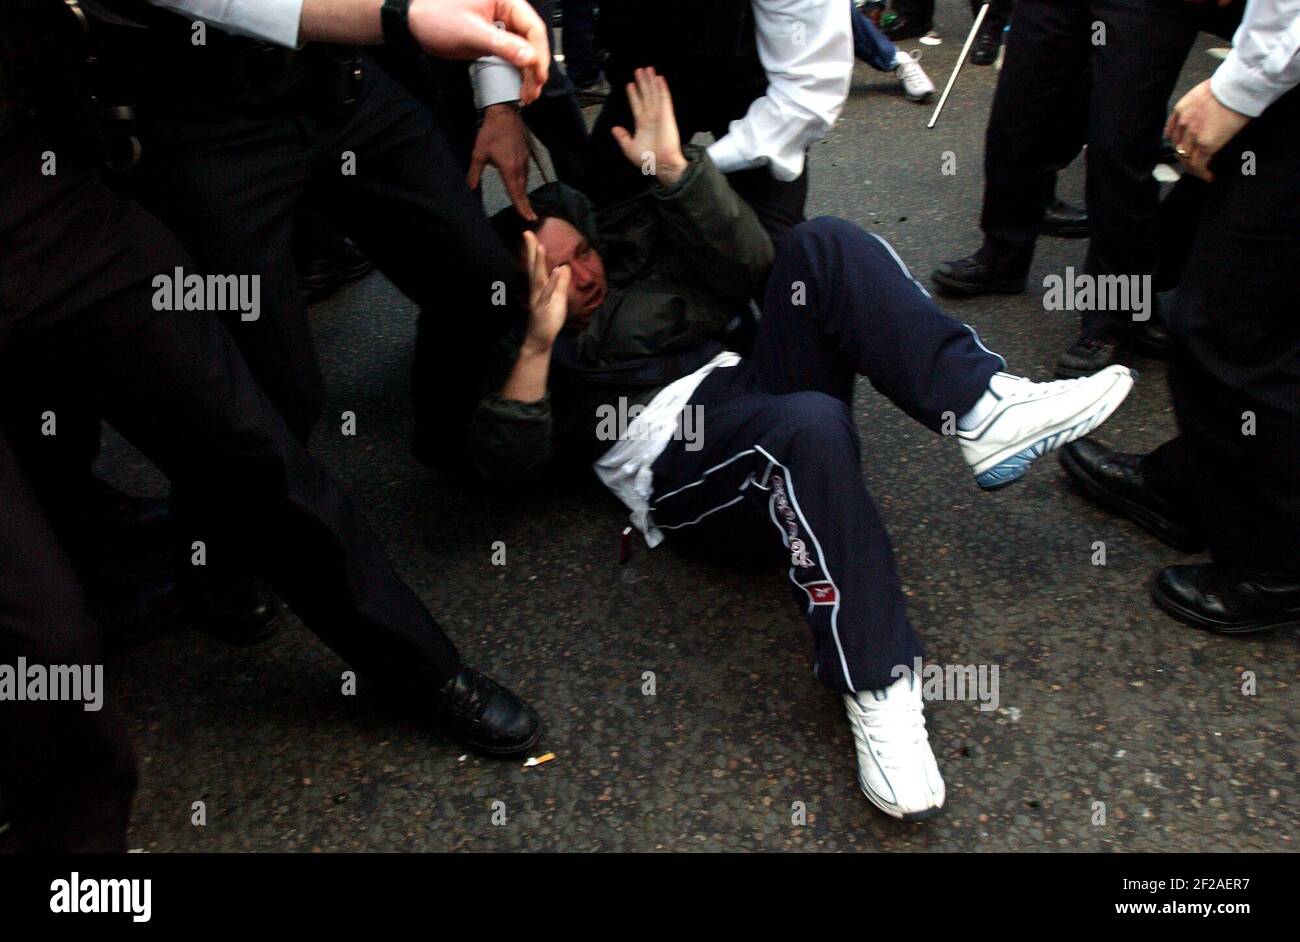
1012	467
894	812
1160	527
972	289
1188	617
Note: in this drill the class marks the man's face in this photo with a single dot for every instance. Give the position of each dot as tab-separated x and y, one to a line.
565	245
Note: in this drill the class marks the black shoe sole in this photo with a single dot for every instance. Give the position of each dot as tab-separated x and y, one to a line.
1149	348
1069	372
1066	232
973	289
1163	529
911	32
214	624
1196	620
503	752
219	630
319	287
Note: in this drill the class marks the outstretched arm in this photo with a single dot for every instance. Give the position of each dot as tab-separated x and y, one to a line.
450	29
714	228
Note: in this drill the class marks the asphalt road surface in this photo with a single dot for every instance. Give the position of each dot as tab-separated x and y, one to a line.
1101	697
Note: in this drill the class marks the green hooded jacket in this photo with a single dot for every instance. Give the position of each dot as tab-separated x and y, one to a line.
681	262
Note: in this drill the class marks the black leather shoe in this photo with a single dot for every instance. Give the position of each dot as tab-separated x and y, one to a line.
905	27
987	44
1152	339
969	277
1065	221
1086	356
119	509
238	609
486	716
325	274
1115	481
1225	601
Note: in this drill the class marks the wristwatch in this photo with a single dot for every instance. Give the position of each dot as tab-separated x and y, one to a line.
397	28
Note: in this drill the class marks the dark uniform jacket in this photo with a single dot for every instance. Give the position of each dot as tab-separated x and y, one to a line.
681	263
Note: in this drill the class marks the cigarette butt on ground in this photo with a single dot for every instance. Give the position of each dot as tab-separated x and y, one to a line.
538	760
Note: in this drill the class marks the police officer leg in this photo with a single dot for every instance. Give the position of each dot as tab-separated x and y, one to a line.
228	187
1134	72
1235	374
66	771
409	208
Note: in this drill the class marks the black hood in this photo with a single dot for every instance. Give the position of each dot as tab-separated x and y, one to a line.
550	199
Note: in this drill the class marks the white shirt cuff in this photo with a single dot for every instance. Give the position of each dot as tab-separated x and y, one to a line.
495	80
1238	88
727	157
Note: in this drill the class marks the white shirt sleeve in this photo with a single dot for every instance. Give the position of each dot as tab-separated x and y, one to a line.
806	47
1264	63
495	80
274	21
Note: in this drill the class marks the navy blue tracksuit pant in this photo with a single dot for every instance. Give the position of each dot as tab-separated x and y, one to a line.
779	470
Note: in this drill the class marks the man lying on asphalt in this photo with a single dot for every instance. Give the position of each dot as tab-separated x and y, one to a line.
628	312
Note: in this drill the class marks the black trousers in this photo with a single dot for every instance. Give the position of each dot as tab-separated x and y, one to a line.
1234	366
1045	107
77	262
226	177
702	104
779	470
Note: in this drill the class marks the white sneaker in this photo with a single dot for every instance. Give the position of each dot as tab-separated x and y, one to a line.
896	768
1032	419
916	84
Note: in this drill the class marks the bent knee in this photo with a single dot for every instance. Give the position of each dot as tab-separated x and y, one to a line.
823	236
818	416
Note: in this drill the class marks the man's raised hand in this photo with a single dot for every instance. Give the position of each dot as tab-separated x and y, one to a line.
656	147
548	293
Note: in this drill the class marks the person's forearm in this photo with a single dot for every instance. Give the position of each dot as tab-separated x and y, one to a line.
1264	63
527	381
354	22
668	171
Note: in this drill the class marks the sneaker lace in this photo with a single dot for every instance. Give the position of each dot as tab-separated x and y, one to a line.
896	729
910	67
1035	390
